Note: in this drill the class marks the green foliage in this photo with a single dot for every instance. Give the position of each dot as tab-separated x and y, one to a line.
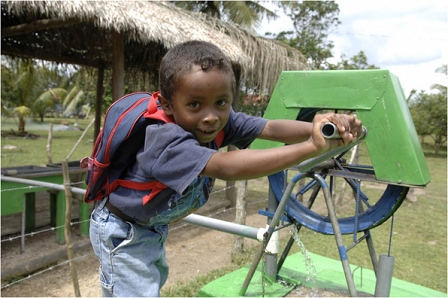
7	89
443	70
253	104
42	87
312	21
429	113
358	61
25	83
18	81
248	14
47	100
74	101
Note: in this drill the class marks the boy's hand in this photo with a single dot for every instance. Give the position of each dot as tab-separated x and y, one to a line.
349	129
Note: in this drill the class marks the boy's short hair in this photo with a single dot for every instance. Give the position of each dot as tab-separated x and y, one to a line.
179	60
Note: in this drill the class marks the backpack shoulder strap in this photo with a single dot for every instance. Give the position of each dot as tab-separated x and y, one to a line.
220	138
155	111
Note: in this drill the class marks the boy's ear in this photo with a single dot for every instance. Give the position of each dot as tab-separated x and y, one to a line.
165	104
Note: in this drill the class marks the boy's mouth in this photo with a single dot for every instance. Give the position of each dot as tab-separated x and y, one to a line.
207	132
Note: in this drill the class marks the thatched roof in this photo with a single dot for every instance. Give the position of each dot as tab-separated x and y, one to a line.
80	32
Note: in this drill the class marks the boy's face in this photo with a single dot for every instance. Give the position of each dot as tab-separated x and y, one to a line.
202	103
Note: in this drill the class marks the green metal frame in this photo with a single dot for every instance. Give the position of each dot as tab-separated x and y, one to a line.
13	194
379	102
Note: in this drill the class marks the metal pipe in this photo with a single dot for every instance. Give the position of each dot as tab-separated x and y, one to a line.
60	187
216	224
329	130
338	236
273	246
268	234
224	226
220	225
384	276
309	164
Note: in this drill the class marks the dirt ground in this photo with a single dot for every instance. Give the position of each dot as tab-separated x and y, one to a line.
191	251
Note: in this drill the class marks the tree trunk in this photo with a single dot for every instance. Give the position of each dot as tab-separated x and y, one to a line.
436	148
21	125
240	216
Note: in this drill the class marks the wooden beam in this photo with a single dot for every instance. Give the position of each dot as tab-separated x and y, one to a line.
117	65
24	53
37	26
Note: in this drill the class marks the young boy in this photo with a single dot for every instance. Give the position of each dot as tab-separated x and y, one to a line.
197	88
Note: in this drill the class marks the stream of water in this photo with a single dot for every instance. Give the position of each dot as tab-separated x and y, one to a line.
309	265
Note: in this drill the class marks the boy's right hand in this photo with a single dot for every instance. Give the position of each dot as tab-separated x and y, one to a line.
349	129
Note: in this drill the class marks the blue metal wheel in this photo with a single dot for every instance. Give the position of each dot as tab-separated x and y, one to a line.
369	202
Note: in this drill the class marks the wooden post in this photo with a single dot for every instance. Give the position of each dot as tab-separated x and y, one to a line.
99	102
49	140
230	185
240	217
117	65
67	227
237	196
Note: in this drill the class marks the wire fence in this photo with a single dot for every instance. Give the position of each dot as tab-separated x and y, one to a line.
33	233
74	223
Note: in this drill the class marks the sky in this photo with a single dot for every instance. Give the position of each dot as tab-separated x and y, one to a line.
408	38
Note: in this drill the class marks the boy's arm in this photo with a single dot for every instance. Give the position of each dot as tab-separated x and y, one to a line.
286	131
250	164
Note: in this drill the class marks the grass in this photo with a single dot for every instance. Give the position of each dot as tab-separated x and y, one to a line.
419	238
27	151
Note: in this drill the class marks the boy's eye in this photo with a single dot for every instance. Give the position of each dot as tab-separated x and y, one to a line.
194	104
221	103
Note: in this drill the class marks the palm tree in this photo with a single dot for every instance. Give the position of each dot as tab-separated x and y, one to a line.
442	89
30	89
74	101
47	100
248	14
19	77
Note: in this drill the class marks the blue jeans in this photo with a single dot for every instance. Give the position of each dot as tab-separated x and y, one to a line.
132	257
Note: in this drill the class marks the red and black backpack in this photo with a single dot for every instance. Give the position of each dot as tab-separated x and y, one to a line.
122	136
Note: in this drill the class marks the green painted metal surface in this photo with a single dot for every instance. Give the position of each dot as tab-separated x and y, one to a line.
377	98
30	212
229	285
329	276
14	195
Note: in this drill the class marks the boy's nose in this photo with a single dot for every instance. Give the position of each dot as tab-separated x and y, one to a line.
210	117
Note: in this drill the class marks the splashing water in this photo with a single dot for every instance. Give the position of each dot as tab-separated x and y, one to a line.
309	265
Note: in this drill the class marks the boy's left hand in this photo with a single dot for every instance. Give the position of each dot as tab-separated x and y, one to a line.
350	128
